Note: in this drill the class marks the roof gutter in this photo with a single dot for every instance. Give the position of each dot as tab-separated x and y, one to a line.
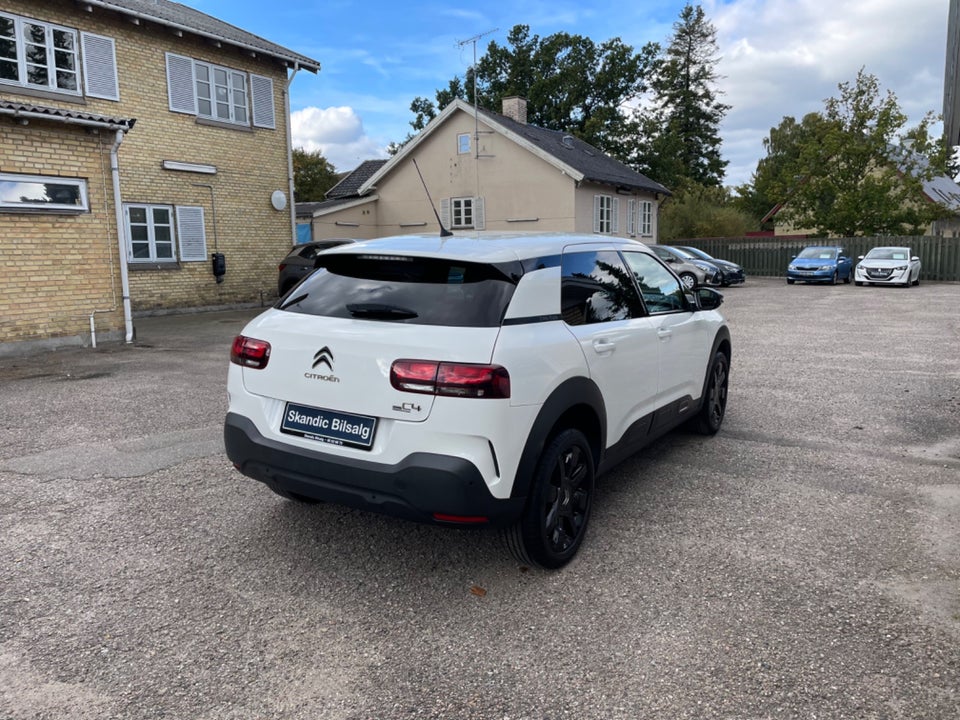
100	124
201	33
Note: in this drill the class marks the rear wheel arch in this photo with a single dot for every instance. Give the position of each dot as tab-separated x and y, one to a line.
576	403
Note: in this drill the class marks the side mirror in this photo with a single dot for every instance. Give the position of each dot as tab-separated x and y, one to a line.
915	259
707	298
860	257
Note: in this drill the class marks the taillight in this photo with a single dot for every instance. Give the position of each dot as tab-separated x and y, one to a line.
281	266
450	379
249	352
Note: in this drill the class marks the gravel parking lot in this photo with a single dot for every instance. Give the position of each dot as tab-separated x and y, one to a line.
804	563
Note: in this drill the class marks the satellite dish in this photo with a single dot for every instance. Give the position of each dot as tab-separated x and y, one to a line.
278	200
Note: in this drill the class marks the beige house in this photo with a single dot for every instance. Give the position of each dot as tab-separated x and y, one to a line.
144	166
485	171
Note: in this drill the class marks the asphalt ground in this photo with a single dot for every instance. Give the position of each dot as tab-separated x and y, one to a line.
804	563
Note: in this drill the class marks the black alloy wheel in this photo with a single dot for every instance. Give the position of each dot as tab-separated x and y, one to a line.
555	520
710	417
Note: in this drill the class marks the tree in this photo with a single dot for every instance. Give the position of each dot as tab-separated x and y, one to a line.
698	211
679	131
313	175
776	178
854	169
571	84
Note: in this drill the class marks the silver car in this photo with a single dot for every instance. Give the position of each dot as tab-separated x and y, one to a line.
888	266
692	271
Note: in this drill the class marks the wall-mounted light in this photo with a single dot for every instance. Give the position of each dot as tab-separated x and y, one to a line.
189	167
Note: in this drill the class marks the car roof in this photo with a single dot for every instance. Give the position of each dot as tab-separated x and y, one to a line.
492	247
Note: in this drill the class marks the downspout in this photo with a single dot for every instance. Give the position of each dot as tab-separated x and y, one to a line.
293	205
118	206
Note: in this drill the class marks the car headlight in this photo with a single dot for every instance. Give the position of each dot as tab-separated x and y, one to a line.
792	267
706	268
901	268
826	267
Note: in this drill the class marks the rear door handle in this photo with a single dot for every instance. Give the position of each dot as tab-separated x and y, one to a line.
664	333
604	346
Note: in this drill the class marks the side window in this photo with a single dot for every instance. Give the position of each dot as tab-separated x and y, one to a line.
661	290
595	288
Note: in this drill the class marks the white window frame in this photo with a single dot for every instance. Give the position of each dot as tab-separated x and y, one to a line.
646	218
229	87
632	217
151	226
50	59
606	211
8	204
463	144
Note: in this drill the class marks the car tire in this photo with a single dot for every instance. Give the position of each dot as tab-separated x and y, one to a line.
790	281
836	277
714	406
689	281
554	520
848	278
288	495
917	281
859	284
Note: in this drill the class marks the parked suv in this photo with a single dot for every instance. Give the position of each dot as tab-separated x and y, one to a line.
691	270
301	261
474	381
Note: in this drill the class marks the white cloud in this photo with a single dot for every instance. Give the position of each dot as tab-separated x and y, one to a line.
337	132
785	57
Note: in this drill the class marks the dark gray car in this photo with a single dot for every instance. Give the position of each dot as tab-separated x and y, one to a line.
300	262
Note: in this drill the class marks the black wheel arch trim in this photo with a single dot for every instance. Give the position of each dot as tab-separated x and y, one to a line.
574	392
722	338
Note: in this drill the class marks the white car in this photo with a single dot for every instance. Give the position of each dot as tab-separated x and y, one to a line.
888	266
474	380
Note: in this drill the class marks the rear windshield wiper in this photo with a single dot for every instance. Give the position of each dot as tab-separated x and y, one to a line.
379	310
294	300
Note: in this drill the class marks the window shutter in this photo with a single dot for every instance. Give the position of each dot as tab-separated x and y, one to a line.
445	212
180	88
99	67
631	217
479	216
261	93
596	213
193	238
615	216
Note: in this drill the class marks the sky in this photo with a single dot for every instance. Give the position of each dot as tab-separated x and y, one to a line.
778	58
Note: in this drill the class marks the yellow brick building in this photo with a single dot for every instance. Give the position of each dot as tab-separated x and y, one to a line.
137	140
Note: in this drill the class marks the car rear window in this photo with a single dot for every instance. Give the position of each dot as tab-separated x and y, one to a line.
417	290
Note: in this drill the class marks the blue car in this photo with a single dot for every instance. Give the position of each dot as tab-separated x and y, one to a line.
820	263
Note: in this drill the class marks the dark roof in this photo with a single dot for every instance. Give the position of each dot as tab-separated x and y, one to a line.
305	209
181	17
28	111
595	165
350	185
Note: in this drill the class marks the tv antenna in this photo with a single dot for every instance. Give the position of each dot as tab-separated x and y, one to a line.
476	121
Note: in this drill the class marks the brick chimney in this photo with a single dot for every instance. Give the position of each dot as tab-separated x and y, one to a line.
515	108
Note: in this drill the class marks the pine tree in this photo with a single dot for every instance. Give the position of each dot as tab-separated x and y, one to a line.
679	133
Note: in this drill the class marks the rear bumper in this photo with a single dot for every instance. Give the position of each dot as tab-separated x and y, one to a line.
415	488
